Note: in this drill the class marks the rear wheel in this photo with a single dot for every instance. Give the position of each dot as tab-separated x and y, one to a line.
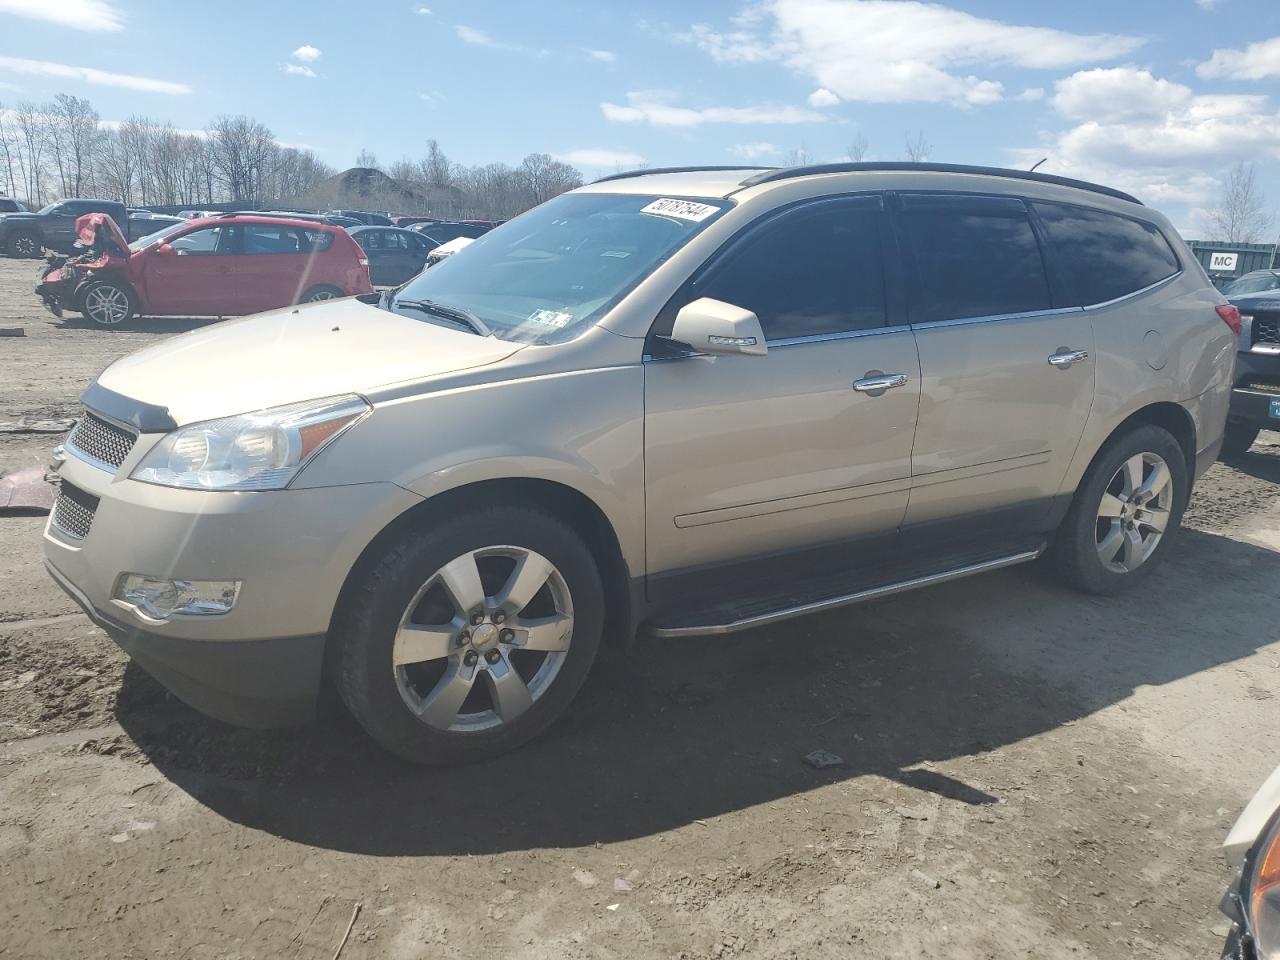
1125	511
1238	438
467	640
107	303
325	292
23	244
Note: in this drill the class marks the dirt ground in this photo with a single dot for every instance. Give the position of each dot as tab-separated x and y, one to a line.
1027	772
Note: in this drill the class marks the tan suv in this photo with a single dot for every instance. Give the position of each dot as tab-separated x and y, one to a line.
679	403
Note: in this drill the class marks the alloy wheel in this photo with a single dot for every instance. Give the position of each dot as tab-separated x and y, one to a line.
24	246
320	295
483	639
107	305
1134	512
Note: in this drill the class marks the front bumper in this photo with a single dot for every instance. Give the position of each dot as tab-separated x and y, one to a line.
1257	384
260	663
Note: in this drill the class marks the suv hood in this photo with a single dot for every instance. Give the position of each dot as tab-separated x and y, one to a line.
294	354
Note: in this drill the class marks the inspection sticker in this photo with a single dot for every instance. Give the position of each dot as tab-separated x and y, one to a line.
682	209
551	318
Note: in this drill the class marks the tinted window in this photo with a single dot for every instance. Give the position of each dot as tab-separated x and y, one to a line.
261	239
1252	285
199	242
316	241
368	239
1103	256
810	272
975	257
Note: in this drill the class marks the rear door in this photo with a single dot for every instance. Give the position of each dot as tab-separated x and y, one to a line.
1007	371
197	277
747	456
272	265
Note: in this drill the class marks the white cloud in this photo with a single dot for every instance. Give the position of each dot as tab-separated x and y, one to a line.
1117	94
77	14
432	99
1257	61
298	70
306	53
596	157
102	78
1207	4
1031	93
755	150
422	11
822	97
471	35
886	51
655	107
604	56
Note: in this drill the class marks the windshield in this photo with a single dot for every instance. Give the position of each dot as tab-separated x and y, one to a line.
49	208
151	238
1253	284
559	267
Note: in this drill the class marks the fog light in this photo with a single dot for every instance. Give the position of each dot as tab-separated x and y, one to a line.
160	599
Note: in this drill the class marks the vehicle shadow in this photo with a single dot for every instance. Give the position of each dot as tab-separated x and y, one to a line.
1262	463
139	324
695	729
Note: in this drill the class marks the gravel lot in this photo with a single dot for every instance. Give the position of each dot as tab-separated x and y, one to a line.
1028	772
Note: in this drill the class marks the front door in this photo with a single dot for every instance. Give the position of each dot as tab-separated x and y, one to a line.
750	456
192	274
1006	371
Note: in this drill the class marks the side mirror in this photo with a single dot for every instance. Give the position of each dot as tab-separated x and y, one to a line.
165	249
716	327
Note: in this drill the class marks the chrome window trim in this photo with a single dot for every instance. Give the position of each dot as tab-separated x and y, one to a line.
1135	293
965	321
843	335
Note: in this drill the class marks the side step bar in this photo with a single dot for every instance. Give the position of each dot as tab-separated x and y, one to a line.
844	600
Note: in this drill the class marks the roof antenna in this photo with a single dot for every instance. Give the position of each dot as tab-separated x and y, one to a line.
1036	164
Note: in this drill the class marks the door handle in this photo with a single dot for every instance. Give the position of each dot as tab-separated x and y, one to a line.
875	382
1064	358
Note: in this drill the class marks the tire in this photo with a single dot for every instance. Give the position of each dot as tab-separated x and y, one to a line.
106	303
1238	438
320	293
23	245
1082	552
413	709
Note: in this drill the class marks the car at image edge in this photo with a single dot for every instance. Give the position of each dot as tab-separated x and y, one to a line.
1252	902
1255	399
685	403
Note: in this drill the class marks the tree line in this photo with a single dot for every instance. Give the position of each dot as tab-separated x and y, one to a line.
63	148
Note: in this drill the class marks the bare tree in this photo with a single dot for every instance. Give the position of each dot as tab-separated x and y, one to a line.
8	153
918	148
857	149
798	157
367	159
31	123
1241	215
436	168
74	131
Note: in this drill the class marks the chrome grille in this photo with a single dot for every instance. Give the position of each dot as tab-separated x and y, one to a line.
73	511
1266	328
102	441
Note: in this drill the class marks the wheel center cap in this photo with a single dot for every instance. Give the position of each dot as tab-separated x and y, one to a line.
484	636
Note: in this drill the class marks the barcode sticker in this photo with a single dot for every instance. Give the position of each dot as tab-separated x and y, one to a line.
681	209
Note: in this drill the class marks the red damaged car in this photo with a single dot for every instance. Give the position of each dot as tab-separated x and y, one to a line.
228	266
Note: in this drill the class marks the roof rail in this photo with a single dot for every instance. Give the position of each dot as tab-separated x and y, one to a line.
626	175
788	173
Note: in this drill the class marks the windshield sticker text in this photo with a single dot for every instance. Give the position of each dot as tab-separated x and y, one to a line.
551	318
680	209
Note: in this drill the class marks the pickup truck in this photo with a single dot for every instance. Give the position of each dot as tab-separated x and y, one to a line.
53	227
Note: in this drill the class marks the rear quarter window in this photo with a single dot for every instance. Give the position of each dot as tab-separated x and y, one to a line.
316	241
1102	256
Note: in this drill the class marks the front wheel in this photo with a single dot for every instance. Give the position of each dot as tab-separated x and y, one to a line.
470	638
1125	511
107	303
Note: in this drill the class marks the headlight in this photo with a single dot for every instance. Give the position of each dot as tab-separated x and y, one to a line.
1261	893
254	451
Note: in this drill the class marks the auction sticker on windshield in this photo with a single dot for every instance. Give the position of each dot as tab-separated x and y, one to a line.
681	209
551	318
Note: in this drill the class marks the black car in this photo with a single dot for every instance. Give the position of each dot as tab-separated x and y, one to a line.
145	223
1255	401
446	231
53	227
10	205
364	216
394	254
1259	281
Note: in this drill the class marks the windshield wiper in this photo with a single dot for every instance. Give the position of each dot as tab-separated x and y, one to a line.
463	317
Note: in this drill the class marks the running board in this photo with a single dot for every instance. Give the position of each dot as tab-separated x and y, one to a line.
844	600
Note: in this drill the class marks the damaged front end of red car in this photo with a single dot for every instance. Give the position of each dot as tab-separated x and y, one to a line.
105	251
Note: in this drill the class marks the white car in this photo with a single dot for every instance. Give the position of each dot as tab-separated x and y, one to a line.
1253	902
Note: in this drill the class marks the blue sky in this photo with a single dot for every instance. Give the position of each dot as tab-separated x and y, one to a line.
1156	97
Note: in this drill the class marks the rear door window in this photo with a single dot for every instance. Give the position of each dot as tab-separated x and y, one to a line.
1101	255
812	271
260	238
974	257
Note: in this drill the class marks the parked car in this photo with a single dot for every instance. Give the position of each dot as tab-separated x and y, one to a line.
447	249
224	267
53	227
1259	281
1252	902
394	255
9	205
692	402
444	231
1255	401
145	224
405	221
368	217
198	214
